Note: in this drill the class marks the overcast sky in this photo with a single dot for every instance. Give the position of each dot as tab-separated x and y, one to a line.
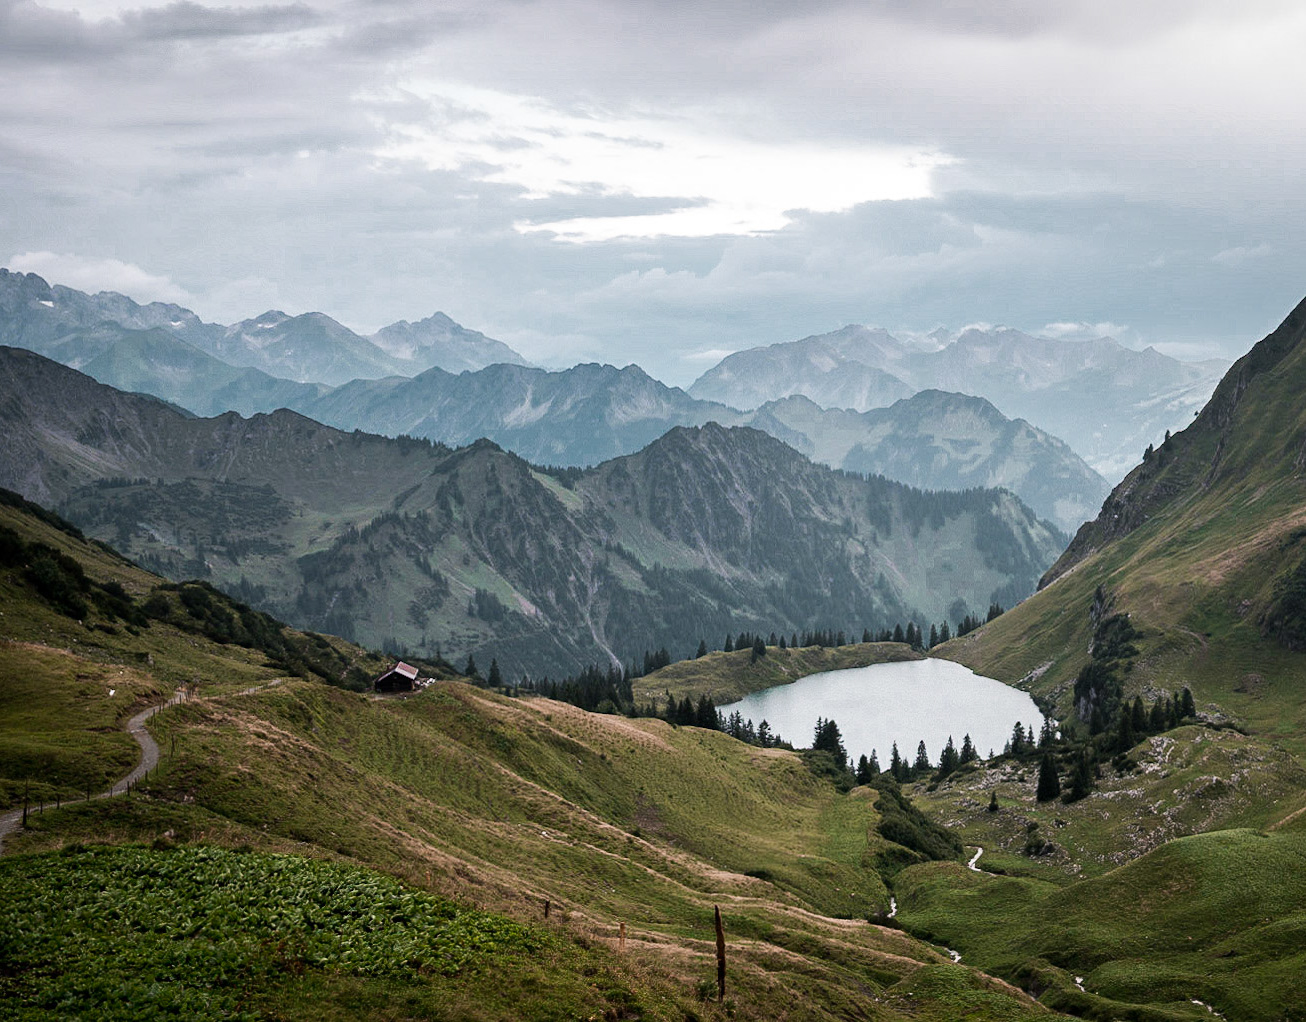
664	182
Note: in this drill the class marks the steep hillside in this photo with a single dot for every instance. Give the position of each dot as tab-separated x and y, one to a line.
1202	546
1107	401
473	551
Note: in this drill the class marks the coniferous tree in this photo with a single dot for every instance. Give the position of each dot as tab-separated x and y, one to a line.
702	649
828	739
764	734
1125	738
1138	716
1049	784
1157	718
864	775
922	764
470	670
759	649
945	633
1189	708
782	642
1081	777
896	764
495	679
729	647
949	760
898	635
993	801
934	636
772	640
875	765
968	753
866	635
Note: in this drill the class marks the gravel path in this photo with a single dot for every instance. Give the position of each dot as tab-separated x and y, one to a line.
13	820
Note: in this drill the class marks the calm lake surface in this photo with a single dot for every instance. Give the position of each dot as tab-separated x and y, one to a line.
904	702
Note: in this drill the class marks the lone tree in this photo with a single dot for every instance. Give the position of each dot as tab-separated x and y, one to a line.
1049	784
828	738
495	678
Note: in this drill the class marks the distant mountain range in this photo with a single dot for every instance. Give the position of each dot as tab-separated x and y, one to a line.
405	543
580	416
75	328
590	413
1107	401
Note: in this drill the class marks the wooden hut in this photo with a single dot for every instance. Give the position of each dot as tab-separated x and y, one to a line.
400	678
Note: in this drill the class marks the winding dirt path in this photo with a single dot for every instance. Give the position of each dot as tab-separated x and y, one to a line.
13	820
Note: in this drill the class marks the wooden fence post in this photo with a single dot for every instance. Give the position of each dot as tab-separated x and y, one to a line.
720	956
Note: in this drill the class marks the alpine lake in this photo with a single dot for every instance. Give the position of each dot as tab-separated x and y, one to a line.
927	700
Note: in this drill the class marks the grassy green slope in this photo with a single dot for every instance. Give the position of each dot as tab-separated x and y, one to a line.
1220	918
71	683
1199	545
727	677
497	803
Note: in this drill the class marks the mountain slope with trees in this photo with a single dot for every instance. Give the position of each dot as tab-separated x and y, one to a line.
410	544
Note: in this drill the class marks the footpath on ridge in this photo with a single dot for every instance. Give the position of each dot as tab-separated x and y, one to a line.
12	821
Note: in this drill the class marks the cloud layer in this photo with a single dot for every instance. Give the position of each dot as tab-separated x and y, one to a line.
627	180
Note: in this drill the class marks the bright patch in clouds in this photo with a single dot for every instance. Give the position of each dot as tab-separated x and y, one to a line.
710	356
705	180
1240	254
88	274
1082	331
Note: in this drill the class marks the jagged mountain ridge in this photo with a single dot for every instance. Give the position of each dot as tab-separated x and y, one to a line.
73	327
1107	401
939	440
589	413
706	530
579	416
